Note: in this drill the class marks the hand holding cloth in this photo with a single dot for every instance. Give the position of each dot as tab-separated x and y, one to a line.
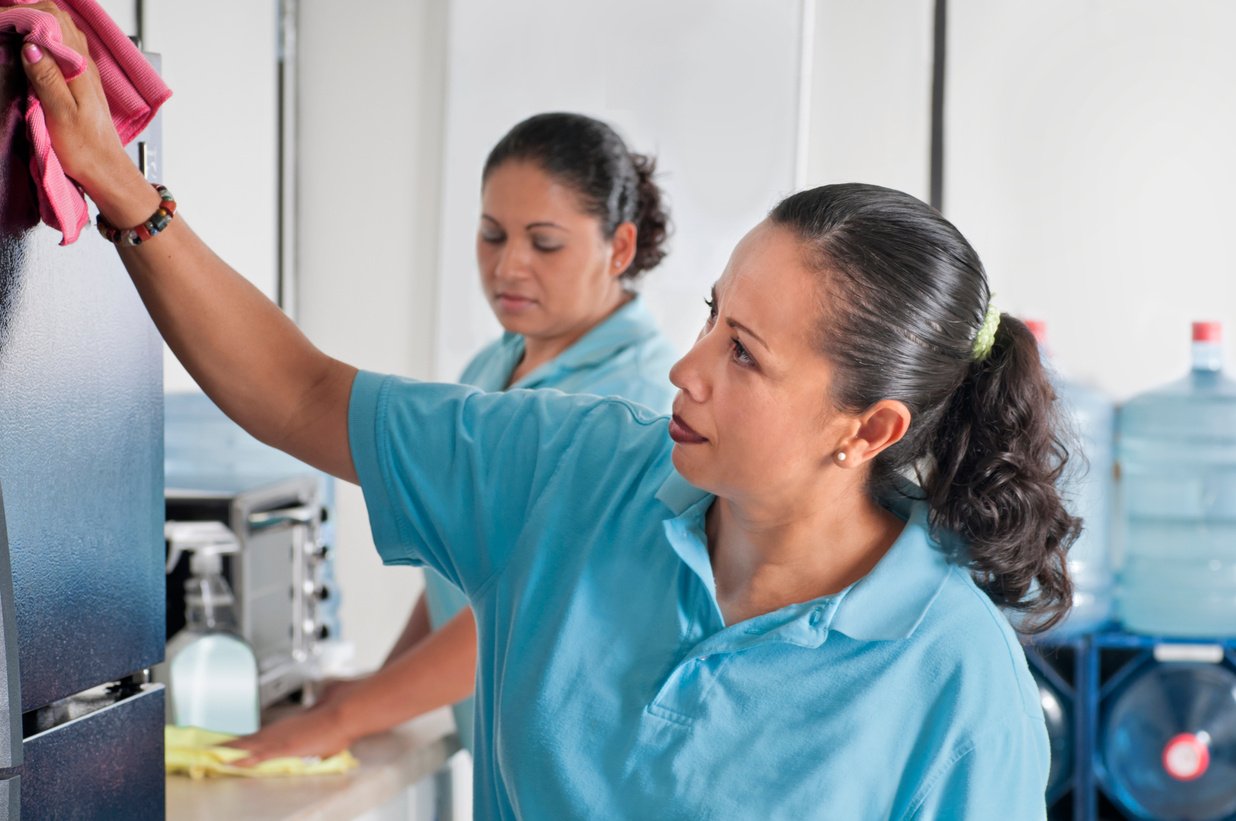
133	89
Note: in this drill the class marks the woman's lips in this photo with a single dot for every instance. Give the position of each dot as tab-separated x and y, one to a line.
513	303
682	433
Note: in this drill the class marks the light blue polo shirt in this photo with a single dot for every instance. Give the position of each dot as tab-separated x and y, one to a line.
608	684
625	355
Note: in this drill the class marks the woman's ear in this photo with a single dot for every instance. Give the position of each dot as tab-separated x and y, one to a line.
879	427
622	247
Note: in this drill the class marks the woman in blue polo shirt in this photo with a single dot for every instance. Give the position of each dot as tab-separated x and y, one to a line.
570	219
740	611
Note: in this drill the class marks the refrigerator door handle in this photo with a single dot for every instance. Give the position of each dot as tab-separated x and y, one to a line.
10	680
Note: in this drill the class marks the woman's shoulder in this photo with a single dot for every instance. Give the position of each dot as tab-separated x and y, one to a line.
973	637
490	367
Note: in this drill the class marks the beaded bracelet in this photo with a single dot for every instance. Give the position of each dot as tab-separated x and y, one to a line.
151	227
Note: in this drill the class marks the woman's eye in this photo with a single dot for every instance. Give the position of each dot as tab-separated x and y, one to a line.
712	309
546	247
740	353
491	238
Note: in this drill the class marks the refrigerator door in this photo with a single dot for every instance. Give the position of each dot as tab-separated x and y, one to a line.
10	679
105	764
81	445
10	798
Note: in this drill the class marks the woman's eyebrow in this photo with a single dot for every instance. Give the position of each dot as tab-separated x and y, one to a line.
734	323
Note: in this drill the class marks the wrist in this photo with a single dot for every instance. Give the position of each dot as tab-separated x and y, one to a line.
121	192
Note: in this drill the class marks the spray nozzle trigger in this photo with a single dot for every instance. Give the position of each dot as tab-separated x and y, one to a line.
213	538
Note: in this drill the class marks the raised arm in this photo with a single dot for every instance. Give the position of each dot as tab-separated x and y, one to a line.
243	351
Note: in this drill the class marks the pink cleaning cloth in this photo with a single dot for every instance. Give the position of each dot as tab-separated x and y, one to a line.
133	88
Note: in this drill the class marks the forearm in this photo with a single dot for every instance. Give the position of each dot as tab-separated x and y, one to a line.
438	671
417	628
243	351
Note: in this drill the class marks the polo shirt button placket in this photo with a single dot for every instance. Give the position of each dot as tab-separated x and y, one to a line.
685	689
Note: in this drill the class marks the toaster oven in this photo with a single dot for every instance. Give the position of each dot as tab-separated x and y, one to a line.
275	576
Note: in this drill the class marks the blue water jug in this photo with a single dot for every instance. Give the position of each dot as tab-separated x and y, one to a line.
1168	743
1087	488
1058	712
1177	455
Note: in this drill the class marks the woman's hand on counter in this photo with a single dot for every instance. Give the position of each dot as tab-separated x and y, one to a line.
319	731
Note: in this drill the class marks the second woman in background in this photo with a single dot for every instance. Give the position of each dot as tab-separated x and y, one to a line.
570	218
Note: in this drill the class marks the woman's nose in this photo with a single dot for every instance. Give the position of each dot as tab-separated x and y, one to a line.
512	261
688	375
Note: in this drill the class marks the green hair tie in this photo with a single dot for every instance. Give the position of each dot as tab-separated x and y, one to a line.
986	336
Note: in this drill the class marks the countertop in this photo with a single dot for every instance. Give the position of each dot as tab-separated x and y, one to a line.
389	763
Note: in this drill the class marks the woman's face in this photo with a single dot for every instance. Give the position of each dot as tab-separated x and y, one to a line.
752	417
545	267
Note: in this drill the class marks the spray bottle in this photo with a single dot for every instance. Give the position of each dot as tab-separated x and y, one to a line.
211	672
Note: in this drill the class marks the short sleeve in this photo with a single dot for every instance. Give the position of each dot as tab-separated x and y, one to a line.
450	473
1003	774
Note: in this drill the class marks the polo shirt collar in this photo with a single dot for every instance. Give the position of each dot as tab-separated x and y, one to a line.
890	602
630	325
887	604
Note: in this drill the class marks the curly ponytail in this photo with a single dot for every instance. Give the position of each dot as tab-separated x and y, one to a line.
612	183
995	461
652	221
905	296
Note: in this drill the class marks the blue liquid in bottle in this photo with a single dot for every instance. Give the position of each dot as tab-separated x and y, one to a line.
1168	743
1177	452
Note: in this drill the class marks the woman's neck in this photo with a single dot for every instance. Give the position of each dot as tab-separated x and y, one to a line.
768	556
541	349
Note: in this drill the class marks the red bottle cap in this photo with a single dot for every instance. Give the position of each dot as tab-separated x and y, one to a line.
1039	328
1186	757
1207	331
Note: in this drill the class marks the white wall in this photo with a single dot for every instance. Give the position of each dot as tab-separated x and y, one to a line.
220	131
1090	162
369	157
870	95
124	12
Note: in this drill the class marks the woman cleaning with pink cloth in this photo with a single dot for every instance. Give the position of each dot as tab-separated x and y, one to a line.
745	609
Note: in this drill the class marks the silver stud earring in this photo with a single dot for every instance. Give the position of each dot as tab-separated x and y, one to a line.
840	456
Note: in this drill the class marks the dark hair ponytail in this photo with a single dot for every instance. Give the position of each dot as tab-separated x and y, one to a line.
613	184
652	221
996	458
905	298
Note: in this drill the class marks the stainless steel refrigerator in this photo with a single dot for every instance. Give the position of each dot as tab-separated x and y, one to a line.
81	511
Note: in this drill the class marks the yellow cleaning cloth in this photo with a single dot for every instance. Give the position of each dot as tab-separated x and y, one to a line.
200	753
